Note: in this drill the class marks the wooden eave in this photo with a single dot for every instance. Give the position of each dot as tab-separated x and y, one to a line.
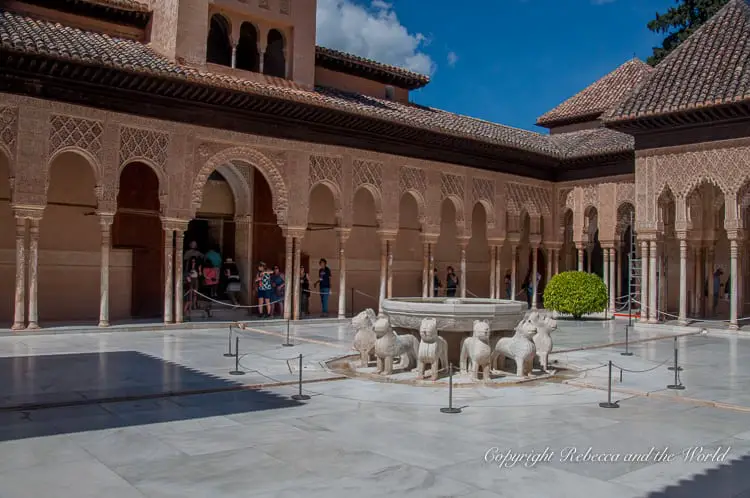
367	71
697	116
596	166
204	105
136	18
583	118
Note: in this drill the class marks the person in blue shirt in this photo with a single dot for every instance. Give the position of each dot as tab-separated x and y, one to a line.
277	281
324	282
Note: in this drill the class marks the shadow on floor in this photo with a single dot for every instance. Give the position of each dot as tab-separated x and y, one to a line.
731	480
64	393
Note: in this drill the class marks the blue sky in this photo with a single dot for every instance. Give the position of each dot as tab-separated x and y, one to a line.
506	61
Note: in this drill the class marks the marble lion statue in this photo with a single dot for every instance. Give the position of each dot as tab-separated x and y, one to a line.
476	350
545	325
388	346
364	338
433	349
520	347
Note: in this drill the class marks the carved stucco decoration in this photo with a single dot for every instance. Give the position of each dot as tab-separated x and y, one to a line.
414	181
327	170
138	144
452	187
369	174
565	203
533	200
84	135
625	194
483	191
590	199
233	155
8	130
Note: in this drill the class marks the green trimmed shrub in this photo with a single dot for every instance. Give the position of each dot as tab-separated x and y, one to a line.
576	293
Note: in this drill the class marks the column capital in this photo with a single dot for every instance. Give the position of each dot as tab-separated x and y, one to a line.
535	240
429	238
343	233
496	241
174	224
105	219
553	246
28	211
735	234
387	235
295	232
246	219
514	238
463	242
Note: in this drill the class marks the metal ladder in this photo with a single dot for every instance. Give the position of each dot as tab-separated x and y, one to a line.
634	270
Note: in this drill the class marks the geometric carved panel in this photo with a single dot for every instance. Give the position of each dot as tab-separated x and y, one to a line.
451	186
483	190
367	173
67	131
137	143
8	127
326	169
412	179
534	200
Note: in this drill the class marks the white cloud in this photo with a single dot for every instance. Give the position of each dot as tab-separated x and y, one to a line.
452	58
374	33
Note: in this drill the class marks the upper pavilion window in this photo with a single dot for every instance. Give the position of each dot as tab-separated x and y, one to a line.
274	63
219	45
247	48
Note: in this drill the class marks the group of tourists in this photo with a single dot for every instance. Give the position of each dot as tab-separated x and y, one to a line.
271	287
210	276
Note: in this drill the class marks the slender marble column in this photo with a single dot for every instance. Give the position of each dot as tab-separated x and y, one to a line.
492	272
579	251
178	297
499	280
383	273
556	259
513	271
19	318
652	288
431	289
389	290
288	269
733	277
710	310
533	280
645	303
296	269
234	55
169	274
105	223
343	236
619	254
697	281
589	252
33	273
426	287
463	268
612	281
683	281
605	275
550	257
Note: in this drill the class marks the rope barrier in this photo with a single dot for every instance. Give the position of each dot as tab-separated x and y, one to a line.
234	305
642	371
366	295
664	313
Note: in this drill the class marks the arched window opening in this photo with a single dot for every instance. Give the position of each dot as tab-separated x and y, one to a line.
274	63
218	46
247	48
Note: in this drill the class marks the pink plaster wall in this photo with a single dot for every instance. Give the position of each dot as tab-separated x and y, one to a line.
348	83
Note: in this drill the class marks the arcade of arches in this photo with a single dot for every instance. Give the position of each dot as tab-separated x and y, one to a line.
105	208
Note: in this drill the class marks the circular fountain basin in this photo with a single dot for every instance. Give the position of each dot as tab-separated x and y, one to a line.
454	314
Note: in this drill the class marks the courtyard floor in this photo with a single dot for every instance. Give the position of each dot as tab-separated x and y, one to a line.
157	414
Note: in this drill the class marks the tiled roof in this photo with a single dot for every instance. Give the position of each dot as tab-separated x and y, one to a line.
369	64
131	5
710	68
593	142
600	96
23	34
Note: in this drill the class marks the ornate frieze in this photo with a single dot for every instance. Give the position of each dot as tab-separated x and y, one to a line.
138	143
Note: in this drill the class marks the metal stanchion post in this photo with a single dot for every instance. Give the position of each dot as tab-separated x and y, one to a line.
679	368
609	403
677	386
288	343
352	303
627	339
236	370
229	354
300	396
450	408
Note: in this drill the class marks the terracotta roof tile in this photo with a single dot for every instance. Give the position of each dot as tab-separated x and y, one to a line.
371	64
22	34
593	142
710	68
599	97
